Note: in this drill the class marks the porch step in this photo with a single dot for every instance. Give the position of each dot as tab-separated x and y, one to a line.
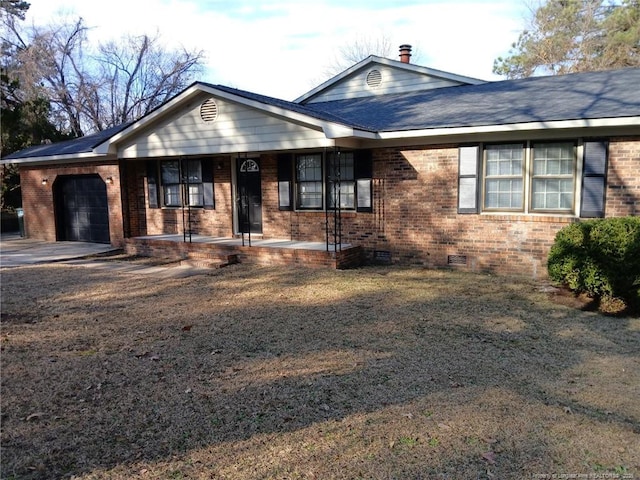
204	261
222	252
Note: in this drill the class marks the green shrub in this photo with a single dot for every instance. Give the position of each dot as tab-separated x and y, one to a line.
599	257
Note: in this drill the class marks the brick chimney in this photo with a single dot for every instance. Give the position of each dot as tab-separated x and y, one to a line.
405	53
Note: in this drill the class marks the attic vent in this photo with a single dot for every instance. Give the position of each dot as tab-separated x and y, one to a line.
374	78
209	111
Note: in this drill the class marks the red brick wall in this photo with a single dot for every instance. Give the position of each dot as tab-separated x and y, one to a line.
143	220
415	213
414	217
623	178
37	199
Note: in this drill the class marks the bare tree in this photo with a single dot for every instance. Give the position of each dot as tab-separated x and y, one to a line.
361	48
138	76
90	91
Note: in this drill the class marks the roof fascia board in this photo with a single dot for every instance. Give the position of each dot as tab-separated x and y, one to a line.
108	145
54	159
390	63
552	125
331	129
430	71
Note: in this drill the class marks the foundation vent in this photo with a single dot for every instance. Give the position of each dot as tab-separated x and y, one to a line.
456	260
209	111
382	256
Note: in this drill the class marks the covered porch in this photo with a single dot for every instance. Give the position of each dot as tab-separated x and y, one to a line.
210	251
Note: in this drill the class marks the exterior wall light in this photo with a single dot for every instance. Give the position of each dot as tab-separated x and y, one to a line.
45	181
109	180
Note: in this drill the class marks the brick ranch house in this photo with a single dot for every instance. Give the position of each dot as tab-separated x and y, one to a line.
388	161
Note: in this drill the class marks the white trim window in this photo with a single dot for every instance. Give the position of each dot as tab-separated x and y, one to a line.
503	177
553	176
536	177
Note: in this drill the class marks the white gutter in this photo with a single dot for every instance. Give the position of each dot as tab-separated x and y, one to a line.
75	157
514	127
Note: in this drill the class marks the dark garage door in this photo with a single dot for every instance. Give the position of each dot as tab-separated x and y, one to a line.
82	211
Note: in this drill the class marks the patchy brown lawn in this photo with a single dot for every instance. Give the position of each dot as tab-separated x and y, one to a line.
272	373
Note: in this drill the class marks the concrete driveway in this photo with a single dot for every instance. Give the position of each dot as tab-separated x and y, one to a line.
16	251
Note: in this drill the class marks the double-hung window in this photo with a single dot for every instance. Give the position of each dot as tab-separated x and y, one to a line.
330	180
545	170
170	176
309	181
193	186
177	183
504	172
182	183
341	181
560	177
553	176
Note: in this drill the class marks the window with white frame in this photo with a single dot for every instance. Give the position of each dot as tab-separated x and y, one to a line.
545	170
556	177
553	176
503	174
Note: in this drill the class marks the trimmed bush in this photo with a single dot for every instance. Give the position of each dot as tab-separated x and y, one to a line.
600	257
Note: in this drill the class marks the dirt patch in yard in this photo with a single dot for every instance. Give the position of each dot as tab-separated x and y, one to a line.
271	373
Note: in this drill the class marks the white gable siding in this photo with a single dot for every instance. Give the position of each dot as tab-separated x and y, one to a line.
237	128
394	80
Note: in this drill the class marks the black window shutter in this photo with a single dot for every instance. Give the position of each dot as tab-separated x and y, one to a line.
468	157
152	183
285	188
594	179
363	169
207	184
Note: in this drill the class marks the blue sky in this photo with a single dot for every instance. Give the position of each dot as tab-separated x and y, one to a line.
284	48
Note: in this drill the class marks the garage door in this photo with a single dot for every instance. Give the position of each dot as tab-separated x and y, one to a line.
82	211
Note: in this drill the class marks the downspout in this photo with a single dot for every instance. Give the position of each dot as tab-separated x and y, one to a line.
326	208
188	195
186	224
182	199
337	218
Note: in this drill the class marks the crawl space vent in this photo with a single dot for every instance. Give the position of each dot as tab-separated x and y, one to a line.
457	260
374	79
209	111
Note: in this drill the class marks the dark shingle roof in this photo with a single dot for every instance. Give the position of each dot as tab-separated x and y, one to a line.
592	95
608	94
68	147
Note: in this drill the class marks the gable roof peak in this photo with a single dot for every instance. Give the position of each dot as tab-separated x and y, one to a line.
373	60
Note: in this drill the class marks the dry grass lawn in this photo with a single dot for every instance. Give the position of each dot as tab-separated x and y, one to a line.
282	373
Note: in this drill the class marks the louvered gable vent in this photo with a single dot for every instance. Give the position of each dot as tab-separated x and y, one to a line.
209	111
374	78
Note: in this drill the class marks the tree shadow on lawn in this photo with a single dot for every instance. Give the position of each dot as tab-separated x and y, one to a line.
268	353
